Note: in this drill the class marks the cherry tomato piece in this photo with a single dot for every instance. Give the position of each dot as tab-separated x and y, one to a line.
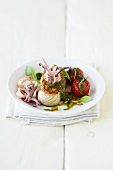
74	73
79	72
80	88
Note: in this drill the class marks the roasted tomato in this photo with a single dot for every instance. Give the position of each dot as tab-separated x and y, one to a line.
80	87
79	72
74	73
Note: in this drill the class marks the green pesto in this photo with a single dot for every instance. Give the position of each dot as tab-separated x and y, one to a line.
83	99
70	106
63	104
56	86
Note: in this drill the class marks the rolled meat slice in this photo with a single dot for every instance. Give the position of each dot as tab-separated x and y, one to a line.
48	99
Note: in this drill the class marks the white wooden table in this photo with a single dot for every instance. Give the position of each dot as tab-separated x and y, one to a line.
48	28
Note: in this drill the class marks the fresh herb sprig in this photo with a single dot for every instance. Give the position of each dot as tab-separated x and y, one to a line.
29	71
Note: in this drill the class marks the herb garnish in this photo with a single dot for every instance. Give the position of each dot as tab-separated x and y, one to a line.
81	84
29	71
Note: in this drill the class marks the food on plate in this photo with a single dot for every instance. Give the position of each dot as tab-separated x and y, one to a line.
54	86
27	90
74	73
80	87
51	84
48	99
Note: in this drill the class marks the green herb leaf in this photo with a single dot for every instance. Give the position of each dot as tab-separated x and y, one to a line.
64	96
81	84
64	72
29	71
85	99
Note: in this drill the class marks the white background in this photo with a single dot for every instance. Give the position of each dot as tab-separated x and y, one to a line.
53	29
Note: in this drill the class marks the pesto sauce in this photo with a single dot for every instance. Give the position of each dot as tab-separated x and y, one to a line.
63	104
74	104
56	86
70	106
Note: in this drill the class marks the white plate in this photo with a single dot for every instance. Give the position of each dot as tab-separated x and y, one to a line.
96	81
